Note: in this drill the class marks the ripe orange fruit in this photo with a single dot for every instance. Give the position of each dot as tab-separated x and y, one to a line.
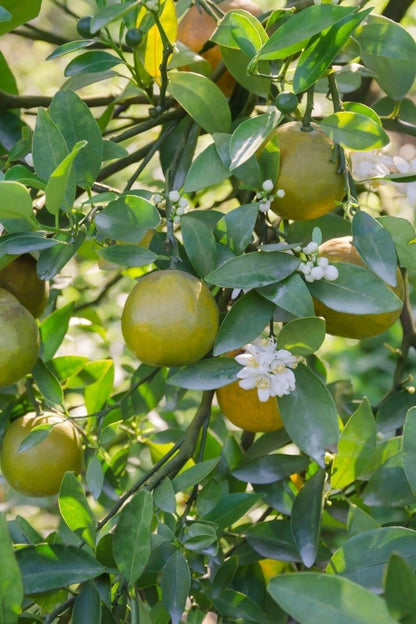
21	279
354	325
38	470
245	410
308	173
170	318
19	340
196	28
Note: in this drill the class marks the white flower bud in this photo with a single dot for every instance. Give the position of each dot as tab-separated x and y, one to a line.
317	273
310	248
267	186
183	202
157	198
176	219
264	205
180	211
323	262
174	196
331	273
280	193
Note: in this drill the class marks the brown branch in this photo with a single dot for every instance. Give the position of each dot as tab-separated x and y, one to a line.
10	101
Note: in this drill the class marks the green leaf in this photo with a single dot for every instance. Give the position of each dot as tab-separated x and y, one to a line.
310	597
47	383
71	46
132	544
224	575
199	243
97	393
164	496
109	14
355	291
235	229
87	606
388	486
244	322
202	99
5	16
11	586
53	259
409	448
354	131
76	122
127	219
270	468
236	605
295	32
322	49
359	521
239	29
94	476
363	558
16	206
35	437
238	64
231	508
208	374
49	146
60	188
21	11
273	539
253	270
250	135
23	242
375	245
175	585
206	170
356	447
46	567
404	237
127	255
309	415
302	336
53	329
75	510
306	517
400	589
291	294
91	63
193	475
388	50
200	537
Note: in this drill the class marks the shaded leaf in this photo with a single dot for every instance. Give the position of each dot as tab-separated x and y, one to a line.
11	586
91	63
253	270
175	585
306	515
270	468
199	244
302	336
75	510
208	374
375	245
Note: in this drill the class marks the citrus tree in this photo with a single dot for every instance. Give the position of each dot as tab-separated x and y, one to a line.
207	292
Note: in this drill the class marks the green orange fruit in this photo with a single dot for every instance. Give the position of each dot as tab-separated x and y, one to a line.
21	279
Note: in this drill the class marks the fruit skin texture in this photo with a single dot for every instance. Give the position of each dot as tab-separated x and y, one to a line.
196	27
38	471
19	340
354	325
21	279
308	173
170	318
245	410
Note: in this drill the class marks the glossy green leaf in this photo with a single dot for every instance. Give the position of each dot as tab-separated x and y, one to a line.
400	589
127	255
291	294
235	229
244	322
237	605
200	537
164	496
250	135
193	475
310	597
237	26
94	477
23	242
53	259
46	567
16	206
53	329
206	170
132	545
76	122
21	11
375	245
270	468
253	270
404	237
363	558
97	393
175	585
409	448
359	521
127	219
389	486
302	336
75	510
322	49
388	50
274	539
309	415
49	146
224	575
47	383
11	586
199	243
238	64
306	517
91	63
5	16
87	606
354	131
295	32
356	447
60	188
35	437
71	46
202	99
109	14
355	291
231	508
208	374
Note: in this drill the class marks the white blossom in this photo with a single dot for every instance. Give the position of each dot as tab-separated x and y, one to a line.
174	196
267	186
331	273
406	167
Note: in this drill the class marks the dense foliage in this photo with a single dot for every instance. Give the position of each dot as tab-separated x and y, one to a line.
128	158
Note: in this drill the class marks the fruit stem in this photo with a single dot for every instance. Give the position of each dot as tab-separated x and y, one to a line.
306	120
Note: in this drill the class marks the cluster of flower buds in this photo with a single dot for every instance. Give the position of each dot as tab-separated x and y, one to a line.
179	205
267	369
265	197
314	267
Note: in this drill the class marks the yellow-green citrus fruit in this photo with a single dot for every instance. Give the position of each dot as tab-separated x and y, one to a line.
308	173
170	318
196	27
21	279
245	410
38	470
354	325
19	340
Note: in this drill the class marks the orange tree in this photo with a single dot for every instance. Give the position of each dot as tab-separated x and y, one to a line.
129	164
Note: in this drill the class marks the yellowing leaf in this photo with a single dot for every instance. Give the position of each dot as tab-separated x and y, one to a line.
153	53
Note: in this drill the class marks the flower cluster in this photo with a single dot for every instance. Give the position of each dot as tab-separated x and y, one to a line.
313	267
179	205
268	369
265	196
